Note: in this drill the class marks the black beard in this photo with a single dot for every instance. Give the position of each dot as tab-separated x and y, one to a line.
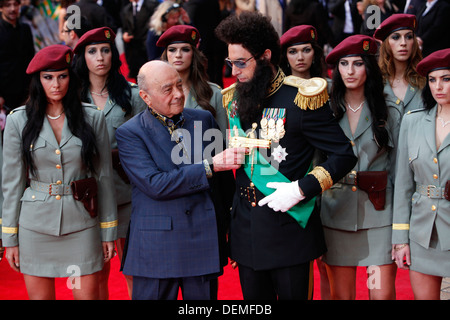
251	94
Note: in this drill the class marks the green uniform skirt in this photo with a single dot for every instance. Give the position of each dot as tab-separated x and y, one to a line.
431	261
75	254
366	247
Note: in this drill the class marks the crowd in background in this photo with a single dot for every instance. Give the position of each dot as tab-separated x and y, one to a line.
138	29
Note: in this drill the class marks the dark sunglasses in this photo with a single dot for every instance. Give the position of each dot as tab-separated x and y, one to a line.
241	64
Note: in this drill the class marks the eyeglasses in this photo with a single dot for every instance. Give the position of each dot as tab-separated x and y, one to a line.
241	64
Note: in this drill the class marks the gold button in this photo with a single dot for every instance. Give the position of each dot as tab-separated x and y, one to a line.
58	182
435	176
409	159
33	197
354	188
352	143
58	197
435	160
58	166
57	151
433	208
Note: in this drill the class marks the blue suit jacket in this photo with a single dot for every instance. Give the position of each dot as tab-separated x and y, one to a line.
173	228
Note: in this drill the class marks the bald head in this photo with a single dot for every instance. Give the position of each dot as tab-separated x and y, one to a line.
161	88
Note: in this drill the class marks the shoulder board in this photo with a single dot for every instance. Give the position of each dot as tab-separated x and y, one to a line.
21	108
312	93
215	85
414	111
227	95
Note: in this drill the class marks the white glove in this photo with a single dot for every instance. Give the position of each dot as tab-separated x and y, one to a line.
285	197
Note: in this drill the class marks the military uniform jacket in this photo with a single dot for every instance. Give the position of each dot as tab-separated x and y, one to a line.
345	206
420	163
411	101
58	164
262	238
115	117
216	103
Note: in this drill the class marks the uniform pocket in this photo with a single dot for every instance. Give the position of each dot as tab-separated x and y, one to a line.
38	144
33	196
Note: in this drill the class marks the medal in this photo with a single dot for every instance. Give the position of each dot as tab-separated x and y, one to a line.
272	124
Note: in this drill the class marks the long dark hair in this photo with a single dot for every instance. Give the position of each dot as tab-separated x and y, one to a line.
36	106
199	79
118	87
373	91
317	67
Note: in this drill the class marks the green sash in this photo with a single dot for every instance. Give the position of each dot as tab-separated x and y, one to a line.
264	172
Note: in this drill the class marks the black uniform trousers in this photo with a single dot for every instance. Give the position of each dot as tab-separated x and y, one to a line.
288	283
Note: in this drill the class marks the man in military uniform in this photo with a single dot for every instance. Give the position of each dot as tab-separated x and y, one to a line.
275	231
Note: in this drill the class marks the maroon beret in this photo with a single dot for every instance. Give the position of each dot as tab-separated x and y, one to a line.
395	22
437	60
98	35
179	34
54	57
299	35
356	45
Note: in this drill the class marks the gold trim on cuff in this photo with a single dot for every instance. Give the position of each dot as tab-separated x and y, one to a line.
400	226
111	224
10	230
323	176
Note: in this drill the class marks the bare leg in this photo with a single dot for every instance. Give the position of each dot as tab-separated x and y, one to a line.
324	283
424	286
103	281
381	282
88	288
40	288
342	282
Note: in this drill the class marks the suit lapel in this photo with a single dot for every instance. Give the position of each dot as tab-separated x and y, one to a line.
108	106
66	134
364	122
410	93
430	129
47	133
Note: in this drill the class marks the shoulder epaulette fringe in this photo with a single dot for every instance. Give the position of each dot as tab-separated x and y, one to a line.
312	93
227	95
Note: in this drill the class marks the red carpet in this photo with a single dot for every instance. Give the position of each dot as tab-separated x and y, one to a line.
12	286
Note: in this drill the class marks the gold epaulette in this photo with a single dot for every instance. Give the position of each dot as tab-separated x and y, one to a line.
227	95
312	93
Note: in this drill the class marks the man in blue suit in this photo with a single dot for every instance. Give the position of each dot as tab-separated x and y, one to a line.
180	205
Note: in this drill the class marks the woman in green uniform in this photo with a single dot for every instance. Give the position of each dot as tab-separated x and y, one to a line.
52	143
357	210
399	55
301	54
421	225
97	64
180	43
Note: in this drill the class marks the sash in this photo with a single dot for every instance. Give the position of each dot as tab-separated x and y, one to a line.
264	172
